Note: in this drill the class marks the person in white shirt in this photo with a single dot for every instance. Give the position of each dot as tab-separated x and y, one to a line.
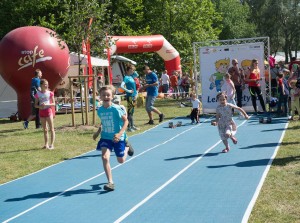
165	81
196	108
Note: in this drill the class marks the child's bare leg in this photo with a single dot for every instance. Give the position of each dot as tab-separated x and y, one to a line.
45	130
123	159
51	128
106	164
225	141
234	128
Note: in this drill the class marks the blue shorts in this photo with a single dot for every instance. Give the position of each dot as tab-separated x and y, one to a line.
118	147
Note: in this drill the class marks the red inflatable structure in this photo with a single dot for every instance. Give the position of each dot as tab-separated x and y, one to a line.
142	44
26	49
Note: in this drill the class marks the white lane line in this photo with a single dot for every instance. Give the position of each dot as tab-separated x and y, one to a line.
71	188
123	217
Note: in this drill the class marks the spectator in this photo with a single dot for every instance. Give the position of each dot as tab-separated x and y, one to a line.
295	96
165	81
151	87
174	84
237	77
34	88
129	86
44	101
185	83
253	79
283	92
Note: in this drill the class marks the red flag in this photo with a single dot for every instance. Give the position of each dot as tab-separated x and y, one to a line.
108	59
88	51
90	73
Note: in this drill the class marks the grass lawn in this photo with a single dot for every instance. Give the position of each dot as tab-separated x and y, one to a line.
21	154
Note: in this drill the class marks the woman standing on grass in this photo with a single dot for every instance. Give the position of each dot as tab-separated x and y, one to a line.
44	101
129	86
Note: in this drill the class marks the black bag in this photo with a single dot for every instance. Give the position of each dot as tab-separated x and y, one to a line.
298	83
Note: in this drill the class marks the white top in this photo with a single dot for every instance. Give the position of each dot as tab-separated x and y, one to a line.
196	103
165	79
229	88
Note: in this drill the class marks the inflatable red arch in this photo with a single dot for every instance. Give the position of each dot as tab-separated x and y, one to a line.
142	44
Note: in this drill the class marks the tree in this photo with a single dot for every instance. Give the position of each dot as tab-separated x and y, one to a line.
181	22
236	23
278	19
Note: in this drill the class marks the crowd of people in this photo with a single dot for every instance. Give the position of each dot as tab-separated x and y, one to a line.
285	87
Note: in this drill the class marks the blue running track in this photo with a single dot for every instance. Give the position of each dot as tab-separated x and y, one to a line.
175	175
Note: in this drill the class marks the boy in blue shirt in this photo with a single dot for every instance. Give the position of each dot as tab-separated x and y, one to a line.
113	125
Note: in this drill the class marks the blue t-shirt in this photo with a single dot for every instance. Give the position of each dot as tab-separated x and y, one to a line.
111	121
35	83
151	78
130	85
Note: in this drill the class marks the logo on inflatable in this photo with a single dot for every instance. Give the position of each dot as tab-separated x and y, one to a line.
32	57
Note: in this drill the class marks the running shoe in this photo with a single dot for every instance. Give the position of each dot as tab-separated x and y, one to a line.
25	124
109	187
135	128
161	117
130	130
130	149
151	122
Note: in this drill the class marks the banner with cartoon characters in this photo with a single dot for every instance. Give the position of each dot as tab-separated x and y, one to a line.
215	62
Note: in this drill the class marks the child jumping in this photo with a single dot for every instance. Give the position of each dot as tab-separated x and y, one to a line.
226	125
44	101
113	125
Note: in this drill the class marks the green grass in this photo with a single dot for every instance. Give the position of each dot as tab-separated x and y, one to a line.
21	154
279	200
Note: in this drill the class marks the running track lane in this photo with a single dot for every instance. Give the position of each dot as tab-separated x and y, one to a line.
176	175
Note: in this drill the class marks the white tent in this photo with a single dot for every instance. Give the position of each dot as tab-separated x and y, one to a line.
8	99
123	59
96	61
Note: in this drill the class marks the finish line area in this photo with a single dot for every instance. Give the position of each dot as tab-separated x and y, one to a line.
175	175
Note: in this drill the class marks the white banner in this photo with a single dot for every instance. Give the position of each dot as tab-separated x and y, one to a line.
215	62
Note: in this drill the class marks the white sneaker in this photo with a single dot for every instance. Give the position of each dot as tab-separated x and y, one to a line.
130	130
135	128
51	147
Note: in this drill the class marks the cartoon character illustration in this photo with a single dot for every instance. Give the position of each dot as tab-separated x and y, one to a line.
245	64
216	79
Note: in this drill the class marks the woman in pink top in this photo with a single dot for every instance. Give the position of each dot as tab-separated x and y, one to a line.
44	101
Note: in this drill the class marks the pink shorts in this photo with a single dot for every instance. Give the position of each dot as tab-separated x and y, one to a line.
46	113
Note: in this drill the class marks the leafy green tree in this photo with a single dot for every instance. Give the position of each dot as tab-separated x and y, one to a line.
181	22
236	21
278	19
18	13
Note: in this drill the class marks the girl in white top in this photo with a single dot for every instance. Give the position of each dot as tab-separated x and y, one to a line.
44	100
